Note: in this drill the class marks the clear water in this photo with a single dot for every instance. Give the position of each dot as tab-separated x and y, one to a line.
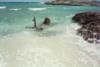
56	46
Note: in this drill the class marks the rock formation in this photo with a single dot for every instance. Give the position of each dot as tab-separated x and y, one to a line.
74	2
90	26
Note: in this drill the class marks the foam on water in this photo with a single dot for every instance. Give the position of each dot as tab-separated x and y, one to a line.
3	57
27	49
15	9
56	46
93	50
3	7
37	9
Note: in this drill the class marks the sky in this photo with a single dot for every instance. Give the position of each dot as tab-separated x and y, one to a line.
25	0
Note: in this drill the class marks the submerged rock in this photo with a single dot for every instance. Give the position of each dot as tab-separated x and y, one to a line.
90	25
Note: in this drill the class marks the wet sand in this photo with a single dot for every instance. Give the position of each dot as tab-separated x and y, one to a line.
26	50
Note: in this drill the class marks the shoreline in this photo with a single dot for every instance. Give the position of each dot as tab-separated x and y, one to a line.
75	3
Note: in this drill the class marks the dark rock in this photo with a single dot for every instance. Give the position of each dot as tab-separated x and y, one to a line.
90	25
86	17
74	3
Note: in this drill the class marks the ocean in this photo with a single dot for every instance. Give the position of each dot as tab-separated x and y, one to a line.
56	46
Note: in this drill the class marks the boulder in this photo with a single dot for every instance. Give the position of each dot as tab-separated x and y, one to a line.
86	17
90	26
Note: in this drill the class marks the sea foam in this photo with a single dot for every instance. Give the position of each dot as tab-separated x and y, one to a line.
92	50
27	49
3	7
15	9
37	9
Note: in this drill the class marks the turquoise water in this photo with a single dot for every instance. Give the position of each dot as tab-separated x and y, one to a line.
56	46
15	20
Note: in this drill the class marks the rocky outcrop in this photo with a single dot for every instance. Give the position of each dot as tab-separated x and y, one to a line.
90	25
86	17
73	3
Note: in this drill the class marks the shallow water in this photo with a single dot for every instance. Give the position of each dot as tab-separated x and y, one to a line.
56	46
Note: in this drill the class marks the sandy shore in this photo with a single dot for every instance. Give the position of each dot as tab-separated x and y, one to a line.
25	50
